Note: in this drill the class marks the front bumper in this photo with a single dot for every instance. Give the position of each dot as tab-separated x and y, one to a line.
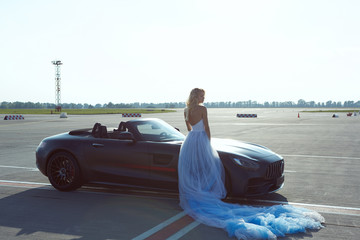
260	186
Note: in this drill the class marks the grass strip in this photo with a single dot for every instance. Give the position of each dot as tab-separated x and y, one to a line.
86	111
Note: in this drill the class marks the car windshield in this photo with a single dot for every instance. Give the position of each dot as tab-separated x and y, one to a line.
158	131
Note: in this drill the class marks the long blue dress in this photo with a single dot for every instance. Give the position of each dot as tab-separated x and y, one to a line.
201	188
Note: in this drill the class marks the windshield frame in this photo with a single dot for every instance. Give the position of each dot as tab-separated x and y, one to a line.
156	130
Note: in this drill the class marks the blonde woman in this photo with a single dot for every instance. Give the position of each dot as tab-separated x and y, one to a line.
201	173
201	188
195	111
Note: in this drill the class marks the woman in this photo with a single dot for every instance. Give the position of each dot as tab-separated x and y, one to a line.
200	168
201	188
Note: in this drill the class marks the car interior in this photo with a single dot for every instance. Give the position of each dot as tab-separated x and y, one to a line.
148	131
100	131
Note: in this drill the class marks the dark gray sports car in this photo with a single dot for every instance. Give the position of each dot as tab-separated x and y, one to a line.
144	153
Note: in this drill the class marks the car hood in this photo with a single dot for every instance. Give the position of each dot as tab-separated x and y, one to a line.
242	148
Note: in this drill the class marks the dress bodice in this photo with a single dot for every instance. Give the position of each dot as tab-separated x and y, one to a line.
199	126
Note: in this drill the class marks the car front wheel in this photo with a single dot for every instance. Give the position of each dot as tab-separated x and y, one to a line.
63	172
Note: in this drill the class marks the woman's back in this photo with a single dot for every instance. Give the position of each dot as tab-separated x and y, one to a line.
195	114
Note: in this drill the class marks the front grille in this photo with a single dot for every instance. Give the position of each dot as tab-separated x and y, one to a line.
275	170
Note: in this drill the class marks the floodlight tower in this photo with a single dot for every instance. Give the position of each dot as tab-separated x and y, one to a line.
57	64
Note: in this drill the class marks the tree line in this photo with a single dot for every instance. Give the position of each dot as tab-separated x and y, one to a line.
240	104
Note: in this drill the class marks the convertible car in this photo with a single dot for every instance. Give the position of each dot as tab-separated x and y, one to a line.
144	153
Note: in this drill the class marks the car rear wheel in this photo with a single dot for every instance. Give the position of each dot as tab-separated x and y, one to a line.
63	172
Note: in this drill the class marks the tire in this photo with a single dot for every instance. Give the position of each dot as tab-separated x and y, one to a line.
64	172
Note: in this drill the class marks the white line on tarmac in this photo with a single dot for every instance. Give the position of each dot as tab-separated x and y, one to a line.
321	208
160	226
315	156
184	231
26	168
22	182
339	210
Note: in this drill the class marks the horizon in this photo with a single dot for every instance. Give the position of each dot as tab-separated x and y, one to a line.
221	104
140	51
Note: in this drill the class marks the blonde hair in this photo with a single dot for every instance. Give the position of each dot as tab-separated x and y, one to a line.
192	101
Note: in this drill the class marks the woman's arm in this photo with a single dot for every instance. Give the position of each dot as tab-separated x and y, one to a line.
188	125
206	122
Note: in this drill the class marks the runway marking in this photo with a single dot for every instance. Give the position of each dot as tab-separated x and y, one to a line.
8	183
26	168
160	226
329	209
315	156
171	229
180	224
184	231
340	210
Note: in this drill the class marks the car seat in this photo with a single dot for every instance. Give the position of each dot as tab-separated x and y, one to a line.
103	132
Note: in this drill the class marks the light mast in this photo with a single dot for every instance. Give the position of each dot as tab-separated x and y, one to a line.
57	64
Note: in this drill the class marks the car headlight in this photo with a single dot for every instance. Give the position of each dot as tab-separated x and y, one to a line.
246	162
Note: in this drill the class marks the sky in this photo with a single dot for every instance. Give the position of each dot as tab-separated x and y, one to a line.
125	51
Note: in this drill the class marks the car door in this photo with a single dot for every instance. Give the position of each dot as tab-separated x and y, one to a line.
118	161
164	160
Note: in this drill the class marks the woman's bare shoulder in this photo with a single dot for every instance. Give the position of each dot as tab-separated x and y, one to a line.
202	108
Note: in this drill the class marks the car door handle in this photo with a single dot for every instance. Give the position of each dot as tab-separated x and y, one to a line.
97	145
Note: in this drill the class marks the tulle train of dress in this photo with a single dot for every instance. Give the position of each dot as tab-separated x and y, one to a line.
201	188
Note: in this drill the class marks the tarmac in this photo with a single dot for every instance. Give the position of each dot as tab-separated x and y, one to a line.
322	168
